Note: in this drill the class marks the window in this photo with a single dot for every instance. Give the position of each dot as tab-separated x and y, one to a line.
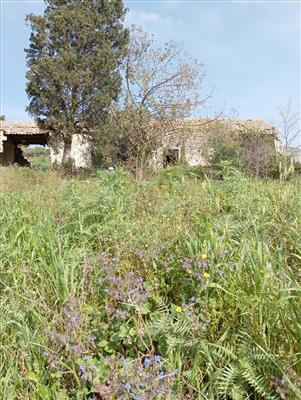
171	157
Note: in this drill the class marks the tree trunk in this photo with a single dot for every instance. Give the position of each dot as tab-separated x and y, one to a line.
140	165
67	151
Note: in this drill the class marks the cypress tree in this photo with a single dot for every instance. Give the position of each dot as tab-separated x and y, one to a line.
76	48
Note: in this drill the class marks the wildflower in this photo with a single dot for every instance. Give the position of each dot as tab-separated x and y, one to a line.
74	319
206	275
121	315
178	309
157	358
204	256
76	349
147	362
82	368
189	313
192	299
189	271
126	386
161	375
124	362
186	264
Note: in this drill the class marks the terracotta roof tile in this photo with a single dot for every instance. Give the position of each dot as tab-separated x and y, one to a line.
232	125
19	128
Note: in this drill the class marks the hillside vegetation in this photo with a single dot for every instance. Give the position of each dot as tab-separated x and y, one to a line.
177	287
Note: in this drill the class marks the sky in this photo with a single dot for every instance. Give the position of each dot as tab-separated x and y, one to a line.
250	50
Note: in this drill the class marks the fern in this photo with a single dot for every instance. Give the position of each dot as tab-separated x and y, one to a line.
242	368
227	380
257	381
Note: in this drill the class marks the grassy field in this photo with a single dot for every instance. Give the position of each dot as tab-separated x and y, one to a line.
177	287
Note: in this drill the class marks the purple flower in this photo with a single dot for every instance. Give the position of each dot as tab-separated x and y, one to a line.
192	299
91	338
124	362
74	320
76	349
126	386
82	368
147	362
157	358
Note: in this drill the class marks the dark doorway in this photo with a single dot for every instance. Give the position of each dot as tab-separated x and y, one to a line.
20	159
171	157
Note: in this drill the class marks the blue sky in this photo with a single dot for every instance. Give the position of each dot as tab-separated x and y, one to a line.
250	49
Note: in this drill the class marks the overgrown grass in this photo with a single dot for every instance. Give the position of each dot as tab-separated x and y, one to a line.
178	287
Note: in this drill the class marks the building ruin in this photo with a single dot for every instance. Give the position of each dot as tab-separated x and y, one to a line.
13	135
183	141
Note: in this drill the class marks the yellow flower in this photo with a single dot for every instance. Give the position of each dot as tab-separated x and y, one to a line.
189	271
113	209
204	256
206	275
178	309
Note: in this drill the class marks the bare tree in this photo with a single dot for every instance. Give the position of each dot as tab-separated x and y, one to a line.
161	85
289	124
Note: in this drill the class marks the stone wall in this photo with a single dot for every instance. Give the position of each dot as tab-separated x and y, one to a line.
7	156
192	146
80	153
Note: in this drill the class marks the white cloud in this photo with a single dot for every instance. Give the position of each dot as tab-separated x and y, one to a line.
145	18
164	27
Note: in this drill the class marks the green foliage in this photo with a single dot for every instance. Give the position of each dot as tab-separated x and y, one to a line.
41	163
225	148
32	152
252	153
298	167
76	48
177	287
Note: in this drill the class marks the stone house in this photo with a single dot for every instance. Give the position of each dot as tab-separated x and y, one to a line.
186	140
190	140
15	134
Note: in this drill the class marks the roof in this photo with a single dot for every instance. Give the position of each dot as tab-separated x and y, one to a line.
232	125
19	128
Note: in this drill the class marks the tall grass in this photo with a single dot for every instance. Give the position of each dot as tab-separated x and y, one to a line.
178	287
